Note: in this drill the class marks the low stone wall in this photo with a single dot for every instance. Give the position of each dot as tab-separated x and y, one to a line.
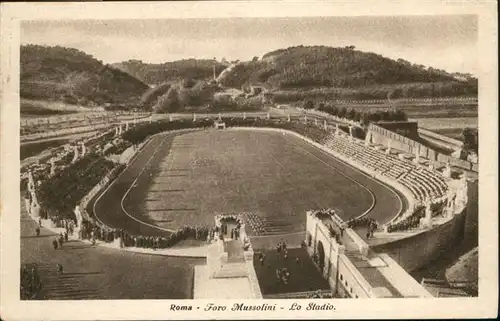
415	251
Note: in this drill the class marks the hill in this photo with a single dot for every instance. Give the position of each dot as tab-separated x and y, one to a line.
72	76
345	73
155	74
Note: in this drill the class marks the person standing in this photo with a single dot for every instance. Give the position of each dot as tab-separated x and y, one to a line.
37	231
61	241
66	236
54	244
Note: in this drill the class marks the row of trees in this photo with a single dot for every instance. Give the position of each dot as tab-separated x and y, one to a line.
60	193
364	117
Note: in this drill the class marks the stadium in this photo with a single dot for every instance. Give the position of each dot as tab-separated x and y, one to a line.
305	172
228	200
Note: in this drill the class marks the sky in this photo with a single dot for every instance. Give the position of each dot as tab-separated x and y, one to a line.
447	42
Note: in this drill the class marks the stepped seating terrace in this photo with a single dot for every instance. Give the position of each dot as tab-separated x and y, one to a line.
421	182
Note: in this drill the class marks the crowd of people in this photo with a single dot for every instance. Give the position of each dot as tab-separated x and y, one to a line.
95	232
30	283
411	222
318	294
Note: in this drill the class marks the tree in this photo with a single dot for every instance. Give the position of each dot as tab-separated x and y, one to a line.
350	114
308	104
342	112
169	102
321	107
469	139
357	116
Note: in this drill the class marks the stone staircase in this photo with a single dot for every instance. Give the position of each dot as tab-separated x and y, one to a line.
56	286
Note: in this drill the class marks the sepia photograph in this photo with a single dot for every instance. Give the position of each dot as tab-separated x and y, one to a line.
279	162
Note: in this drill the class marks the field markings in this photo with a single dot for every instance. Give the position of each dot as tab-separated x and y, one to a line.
338	171
116	179
132	185
363	173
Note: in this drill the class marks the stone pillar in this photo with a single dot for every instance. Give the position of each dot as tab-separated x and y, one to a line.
52	167
244	115
126	125
368	138
170	117
350	132
194	117
388	150
428	214
289	118
79	220
268	116
325	126
447	170
220	116
84	149
31	182
417	155
75	156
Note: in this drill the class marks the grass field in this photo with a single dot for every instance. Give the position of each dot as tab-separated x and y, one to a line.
451	127
188	179
41	108
206	173
32	149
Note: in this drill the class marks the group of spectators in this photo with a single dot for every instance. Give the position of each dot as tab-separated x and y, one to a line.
30	283
92	231
318	294
411	222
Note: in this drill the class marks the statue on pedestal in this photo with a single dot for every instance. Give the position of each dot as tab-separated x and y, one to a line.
52	167
84	149
388	150
447	170
75	151
289	118
325	126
